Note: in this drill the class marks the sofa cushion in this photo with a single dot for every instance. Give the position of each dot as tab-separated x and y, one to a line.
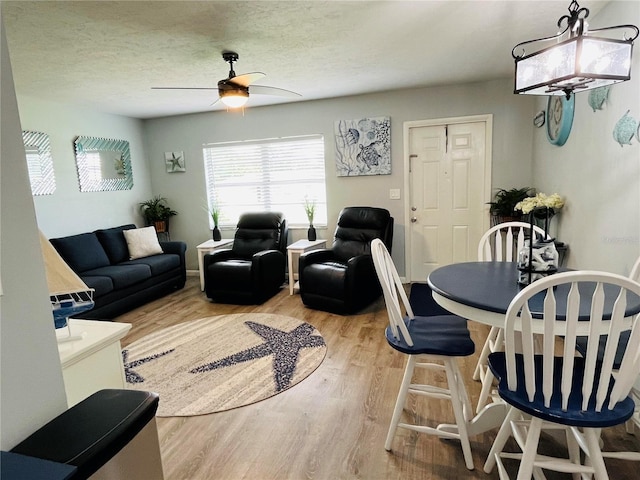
114	243
81	252
158	263
142	242
122	275
100	285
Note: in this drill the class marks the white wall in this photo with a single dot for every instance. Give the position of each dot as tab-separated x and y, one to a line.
186	191
31	387
599	179
67	210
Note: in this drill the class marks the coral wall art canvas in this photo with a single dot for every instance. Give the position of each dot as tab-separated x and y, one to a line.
363	146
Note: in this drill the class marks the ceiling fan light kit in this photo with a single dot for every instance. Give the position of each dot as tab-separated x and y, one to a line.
234	90
579	59
234	97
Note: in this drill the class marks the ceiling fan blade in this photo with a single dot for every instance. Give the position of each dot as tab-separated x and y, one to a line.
184	88
264	90
247	79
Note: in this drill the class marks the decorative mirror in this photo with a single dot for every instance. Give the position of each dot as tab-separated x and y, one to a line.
39	162
103	164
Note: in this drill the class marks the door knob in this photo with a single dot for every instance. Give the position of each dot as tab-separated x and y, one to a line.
414	219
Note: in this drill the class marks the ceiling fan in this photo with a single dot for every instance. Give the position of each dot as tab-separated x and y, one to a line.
234	90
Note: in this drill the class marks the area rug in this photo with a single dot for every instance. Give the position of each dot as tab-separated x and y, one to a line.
219	363
422	301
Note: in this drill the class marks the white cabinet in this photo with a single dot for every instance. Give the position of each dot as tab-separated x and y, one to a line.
93	361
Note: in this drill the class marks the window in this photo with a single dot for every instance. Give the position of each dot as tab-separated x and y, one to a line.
272	175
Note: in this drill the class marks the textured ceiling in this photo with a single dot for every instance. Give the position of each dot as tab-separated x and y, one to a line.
107	55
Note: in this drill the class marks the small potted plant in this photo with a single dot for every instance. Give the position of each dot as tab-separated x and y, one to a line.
504	203
310	210
214	211
157	213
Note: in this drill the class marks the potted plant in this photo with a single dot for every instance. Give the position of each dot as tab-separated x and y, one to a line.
157	213
310	210
214	211
504	203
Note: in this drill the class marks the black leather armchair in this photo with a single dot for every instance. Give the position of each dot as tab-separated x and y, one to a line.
254	269
343	279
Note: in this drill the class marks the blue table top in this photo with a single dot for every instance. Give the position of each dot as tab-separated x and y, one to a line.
491	286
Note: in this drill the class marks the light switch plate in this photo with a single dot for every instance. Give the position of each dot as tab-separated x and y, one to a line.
394	194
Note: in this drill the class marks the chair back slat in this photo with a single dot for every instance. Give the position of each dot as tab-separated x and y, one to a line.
613	338
591	355
635	271
528	351
392	290
497	244
548	346
583	291
629	367
570	325
509	245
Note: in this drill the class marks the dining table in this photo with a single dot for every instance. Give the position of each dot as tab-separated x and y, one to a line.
482	292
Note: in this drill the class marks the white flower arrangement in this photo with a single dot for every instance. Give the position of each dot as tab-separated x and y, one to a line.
554	202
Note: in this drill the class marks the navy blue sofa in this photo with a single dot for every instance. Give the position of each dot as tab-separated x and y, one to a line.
101	260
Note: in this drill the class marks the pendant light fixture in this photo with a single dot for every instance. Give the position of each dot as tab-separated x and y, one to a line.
576	59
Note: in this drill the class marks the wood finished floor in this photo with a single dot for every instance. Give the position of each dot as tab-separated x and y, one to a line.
333	424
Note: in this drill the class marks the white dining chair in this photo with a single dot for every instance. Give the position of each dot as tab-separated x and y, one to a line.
557	388
634	421
501	243
426	340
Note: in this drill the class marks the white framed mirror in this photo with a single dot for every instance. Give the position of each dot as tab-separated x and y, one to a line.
103	164
39	162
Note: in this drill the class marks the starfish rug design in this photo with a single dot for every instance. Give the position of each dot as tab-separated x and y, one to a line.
131	375
218	363
284	346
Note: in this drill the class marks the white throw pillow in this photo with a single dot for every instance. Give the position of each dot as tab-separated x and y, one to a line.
142	242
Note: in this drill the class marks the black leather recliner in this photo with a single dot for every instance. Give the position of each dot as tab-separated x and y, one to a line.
343	279
254	269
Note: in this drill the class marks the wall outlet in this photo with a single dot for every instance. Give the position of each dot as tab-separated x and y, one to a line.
394	194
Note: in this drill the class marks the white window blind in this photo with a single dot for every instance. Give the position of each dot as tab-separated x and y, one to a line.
267	175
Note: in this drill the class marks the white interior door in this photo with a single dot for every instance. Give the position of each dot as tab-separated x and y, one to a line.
448	178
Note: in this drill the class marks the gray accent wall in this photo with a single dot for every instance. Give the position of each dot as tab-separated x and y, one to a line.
68	210
511	148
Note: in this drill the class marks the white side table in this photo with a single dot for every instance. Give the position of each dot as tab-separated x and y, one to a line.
294	251
208	247
93	361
